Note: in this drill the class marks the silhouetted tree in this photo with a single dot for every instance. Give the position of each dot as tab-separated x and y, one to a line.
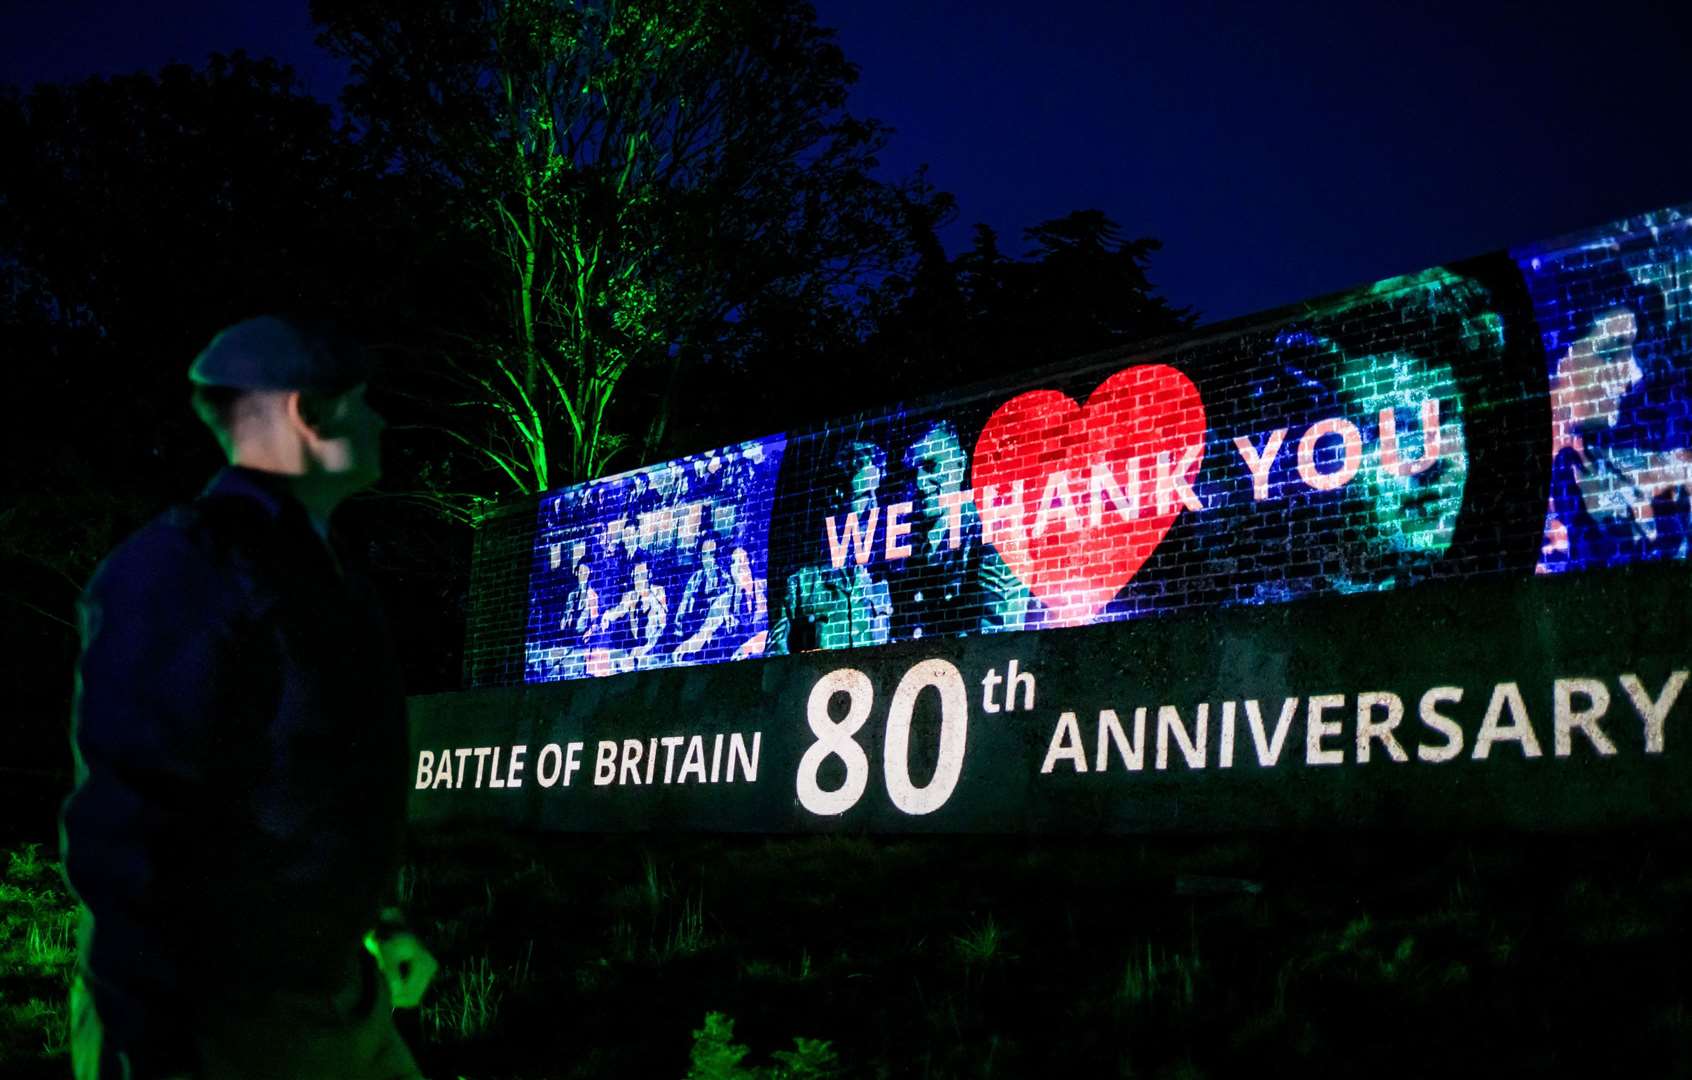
1081	288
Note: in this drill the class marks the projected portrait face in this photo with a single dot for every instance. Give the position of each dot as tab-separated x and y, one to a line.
1417	464
859	479
937	464
740	568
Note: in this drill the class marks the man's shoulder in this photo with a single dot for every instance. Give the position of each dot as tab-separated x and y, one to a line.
186	542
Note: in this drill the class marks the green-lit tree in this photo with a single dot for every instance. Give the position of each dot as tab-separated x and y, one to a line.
654	183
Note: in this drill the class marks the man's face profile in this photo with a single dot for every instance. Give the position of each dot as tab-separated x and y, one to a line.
938	462
349	437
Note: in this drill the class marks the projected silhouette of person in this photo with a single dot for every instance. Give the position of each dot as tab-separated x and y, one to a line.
1618	493
826	606
951	583
644	614
734	627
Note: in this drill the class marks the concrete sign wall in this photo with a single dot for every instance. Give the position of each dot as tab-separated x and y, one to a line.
1298	551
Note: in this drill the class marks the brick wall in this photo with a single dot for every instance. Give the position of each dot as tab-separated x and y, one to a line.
1519	412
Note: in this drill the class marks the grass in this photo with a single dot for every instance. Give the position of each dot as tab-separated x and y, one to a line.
583	956
981	944
37	959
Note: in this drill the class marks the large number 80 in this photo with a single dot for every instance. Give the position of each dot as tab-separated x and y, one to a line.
835	738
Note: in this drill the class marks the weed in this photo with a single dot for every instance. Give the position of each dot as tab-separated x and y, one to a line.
47	944
405	887
981	945
651	888
716	1056
25	865
1146	981
469	1006
687	936
1351	938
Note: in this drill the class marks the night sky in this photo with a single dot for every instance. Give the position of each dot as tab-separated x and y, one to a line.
1280	151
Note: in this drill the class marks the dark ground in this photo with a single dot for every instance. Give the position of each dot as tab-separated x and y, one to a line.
1400	955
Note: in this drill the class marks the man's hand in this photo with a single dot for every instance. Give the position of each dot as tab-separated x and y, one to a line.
408	965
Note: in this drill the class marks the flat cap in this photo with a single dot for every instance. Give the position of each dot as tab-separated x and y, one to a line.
272	352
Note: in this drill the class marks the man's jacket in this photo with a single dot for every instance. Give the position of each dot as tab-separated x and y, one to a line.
240	737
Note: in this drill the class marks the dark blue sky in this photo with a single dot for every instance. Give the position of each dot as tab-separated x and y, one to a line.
1279	150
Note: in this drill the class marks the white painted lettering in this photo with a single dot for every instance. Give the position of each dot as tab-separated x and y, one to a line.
1566	719
1520	730
1653	713
1432	718
1133	753
694	760
1269	749
547	774
738	756
1370	730
1225	753
1065	745
1315	730
1192	747
670	743
633	749
605	763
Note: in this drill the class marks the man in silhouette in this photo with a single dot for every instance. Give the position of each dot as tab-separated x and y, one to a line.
240	741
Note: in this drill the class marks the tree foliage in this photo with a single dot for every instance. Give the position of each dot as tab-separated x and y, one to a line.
1081	287
654	183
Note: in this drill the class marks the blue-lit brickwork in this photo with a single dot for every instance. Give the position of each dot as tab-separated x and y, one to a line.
662	566
1414	430
1615	309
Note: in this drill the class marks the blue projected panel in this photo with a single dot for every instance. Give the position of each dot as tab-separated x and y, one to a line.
654	568
1615	314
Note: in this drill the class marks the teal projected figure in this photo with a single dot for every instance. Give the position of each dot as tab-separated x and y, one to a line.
846	606
1416	468
951	583
240	737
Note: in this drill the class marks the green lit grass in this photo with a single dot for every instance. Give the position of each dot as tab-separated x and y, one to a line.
37	958
571	956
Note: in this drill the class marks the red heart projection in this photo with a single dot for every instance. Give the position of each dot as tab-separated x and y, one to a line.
1071	541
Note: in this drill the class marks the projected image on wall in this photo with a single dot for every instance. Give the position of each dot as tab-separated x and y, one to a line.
654	568
1616	318
883	541
1366	476
1338	444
